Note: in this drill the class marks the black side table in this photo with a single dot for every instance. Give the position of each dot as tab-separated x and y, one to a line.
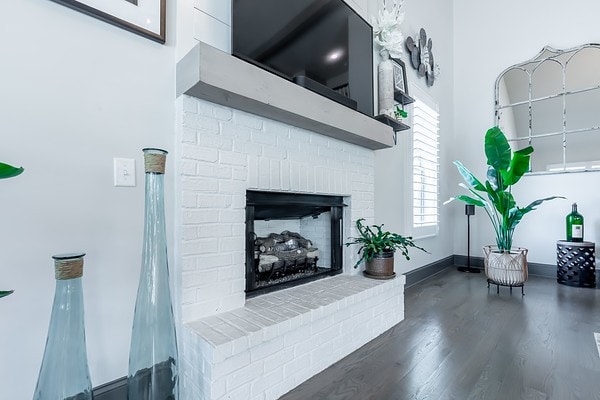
576	263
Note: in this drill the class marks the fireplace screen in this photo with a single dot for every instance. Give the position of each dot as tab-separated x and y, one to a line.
291	239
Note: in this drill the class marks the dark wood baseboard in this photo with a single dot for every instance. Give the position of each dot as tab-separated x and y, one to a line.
115	390
424	272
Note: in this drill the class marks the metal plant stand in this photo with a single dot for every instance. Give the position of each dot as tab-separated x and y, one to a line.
521	285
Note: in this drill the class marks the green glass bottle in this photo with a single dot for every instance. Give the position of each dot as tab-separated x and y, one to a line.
574	226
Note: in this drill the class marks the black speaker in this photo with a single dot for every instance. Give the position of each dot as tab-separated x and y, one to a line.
469	209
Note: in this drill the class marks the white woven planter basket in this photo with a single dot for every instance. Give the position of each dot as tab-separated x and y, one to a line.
504	268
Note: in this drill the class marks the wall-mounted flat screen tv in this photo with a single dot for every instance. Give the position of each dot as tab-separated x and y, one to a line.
322	45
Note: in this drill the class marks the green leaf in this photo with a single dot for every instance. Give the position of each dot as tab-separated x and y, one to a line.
469	177
8	171
504	202
518	166
492	193
4	293
497	149
467	199
492	176
531	206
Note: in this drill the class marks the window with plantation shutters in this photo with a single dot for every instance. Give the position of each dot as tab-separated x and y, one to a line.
425	168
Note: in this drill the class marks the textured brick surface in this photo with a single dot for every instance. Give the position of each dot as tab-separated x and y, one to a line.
291	334
224	152
261	348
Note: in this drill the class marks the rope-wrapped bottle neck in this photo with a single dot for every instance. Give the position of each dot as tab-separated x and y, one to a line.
68	266
155	160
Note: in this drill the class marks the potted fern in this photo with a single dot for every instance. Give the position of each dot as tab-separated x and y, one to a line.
8	171
377	248
504	264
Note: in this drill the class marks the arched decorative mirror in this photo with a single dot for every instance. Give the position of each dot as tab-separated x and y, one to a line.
552	102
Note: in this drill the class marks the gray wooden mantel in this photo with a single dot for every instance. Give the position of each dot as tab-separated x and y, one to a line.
211	74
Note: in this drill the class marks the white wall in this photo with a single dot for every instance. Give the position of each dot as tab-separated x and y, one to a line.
490	36
391	187
76	92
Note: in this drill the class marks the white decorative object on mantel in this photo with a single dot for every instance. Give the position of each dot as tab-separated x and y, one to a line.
386	29
385	74
387	35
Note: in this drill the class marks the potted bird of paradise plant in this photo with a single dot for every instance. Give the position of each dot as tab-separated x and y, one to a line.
8	171
504	264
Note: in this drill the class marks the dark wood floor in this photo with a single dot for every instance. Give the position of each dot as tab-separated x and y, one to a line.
459	341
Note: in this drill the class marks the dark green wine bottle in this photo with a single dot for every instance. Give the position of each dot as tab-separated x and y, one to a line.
574	226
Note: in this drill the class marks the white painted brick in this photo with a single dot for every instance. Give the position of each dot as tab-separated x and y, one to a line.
214	201
189	135
222	113
188	167
232	187
199	153
275	177
205	108
248	148
199	217
238	285
198	122
232	216
231	302
214	231
239	173
200	246
218	388
196	278
199	184
188	295
240	133
266	349
253	172
214	141
299	135
190	104
274	152
214	260
297	364
201	308
264	138
231	158
188	263
277	360
244	376
232	244
189	200
224	172
248	120
231	364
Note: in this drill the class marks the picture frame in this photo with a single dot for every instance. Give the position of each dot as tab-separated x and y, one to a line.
399	74
145	18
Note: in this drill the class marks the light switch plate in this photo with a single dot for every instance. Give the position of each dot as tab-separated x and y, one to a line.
124	171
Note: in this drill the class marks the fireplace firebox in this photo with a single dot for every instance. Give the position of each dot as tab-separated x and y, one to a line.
291	238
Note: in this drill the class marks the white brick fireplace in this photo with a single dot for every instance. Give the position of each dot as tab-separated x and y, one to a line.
233	348
260	348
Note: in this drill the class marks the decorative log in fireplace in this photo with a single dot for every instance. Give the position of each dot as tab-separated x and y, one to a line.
278	260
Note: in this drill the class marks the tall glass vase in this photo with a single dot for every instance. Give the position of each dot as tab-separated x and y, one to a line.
64	374
153	355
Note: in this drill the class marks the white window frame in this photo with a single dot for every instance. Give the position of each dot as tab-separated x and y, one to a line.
416	230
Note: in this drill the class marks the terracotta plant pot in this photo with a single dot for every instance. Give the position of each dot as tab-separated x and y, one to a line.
381	266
